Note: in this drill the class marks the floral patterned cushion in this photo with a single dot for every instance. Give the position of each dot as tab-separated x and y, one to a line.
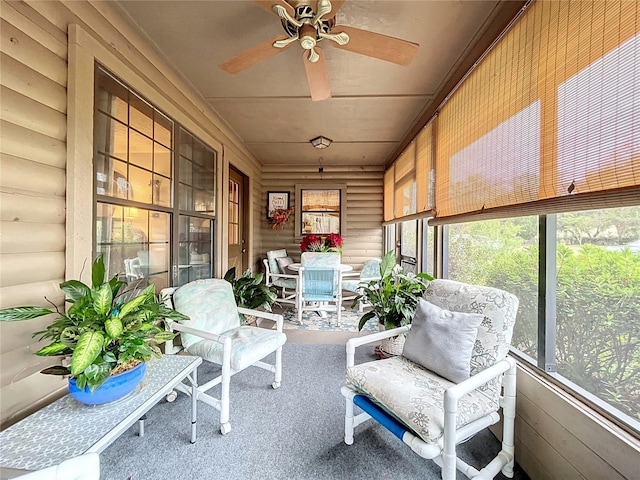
415	395
291	283
273	263
494	334
210	306
370	270
249	344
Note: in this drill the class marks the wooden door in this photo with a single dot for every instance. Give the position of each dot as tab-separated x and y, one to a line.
237	221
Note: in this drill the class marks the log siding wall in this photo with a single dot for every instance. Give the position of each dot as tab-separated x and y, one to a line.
33	80
556	437
363	239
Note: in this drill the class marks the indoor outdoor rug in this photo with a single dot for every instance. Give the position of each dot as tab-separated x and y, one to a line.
313	321
292	433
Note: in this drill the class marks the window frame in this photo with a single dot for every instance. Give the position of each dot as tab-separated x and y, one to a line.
174	210
299	234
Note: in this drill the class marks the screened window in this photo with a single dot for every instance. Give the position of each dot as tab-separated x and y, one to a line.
598	304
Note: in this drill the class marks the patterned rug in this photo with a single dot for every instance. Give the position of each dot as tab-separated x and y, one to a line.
313	321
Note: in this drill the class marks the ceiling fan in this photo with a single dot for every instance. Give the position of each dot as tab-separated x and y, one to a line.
308	26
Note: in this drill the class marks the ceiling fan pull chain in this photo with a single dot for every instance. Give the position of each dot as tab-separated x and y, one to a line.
324	7
282	13
313	55
340	38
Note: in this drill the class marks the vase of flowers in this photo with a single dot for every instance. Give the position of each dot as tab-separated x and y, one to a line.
279	217
319	243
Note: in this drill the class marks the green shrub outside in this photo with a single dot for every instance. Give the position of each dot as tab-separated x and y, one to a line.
598	302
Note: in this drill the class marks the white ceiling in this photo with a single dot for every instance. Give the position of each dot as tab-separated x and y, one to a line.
374	104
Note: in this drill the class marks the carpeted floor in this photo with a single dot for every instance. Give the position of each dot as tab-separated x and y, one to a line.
292	433
314	321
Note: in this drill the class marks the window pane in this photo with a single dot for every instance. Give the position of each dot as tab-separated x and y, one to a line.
321	200
321	223
197	175
501	254
135	242
140	181
186	171
112	97
162	129
409	236
196	246
140	150
140	115
161	160
598	304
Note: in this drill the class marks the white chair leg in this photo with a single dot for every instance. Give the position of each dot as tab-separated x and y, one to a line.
348	422
339	310
225	426
508	421
277	382
449	450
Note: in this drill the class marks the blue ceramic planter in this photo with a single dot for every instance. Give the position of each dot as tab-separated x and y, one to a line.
116	386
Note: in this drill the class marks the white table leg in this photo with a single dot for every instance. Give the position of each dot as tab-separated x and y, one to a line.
194	403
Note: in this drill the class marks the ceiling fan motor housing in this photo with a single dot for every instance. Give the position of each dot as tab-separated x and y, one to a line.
305	12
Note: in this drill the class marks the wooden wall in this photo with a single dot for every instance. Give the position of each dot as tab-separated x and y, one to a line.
47	56
33	116
364	208
558	437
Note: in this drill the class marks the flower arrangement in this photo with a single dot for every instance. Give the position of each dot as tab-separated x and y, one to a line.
317	243
279	217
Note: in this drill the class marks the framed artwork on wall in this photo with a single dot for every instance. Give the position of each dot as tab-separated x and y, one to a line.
276	200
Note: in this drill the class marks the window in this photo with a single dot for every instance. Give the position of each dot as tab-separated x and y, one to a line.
596	285
409	245
321	210
136	165
501	254
598	304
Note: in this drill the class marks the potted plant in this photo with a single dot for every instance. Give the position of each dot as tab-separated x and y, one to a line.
393	299
104	334
249	291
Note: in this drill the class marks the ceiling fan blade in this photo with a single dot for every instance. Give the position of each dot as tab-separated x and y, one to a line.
317	76
335	6
254	55
267	4
376	45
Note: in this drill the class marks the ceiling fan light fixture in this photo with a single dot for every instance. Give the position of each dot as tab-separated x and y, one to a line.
321	142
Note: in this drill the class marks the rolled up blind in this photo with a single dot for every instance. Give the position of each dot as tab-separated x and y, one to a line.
552	111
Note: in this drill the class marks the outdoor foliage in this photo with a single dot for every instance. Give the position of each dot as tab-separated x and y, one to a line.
598	293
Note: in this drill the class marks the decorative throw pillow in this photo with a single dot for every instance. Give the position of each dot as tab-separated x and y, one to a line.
442	341
283	262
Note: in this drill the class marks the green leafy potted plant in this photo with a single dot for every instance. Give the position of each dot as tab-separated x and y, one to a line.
104	333
393	298
249	291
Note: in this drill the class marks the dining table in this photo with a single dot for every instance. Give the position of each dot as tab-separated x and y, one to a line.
295	267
